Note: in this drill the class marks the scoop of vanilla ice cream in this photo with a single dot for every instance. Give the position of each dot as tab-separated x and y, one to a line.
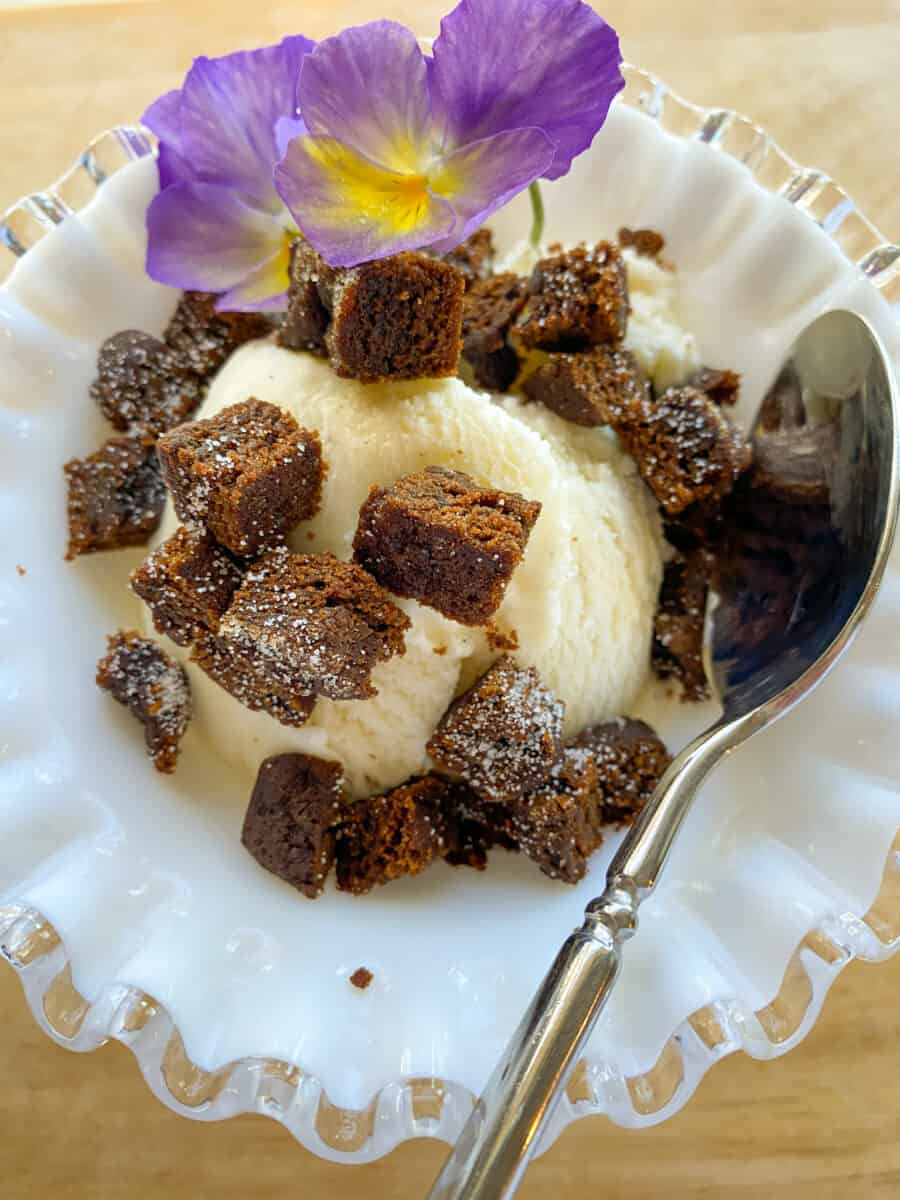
581	602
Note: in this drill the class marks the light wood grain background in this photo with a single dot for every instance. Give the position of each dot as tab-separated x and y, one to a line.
824	76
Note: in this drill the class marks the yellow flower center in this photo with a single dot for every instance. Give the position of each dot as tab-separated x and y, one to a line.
397	201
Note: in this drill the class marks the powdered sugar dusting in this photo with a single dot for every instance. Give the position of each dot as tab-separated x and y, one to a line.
503	735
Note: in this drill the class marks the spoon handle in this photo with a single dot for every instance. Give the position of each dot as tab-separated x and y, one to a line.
494	1148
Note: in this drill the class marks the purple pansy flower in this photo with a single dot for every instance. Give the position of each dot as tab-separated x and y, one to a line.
218	224
403	151
366	145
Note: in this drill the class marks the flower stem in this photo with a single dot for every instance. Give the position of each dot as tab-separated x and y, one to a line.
537	214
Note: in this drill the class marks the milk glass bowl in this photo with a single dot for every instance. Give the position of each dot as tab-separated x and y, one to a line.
127	904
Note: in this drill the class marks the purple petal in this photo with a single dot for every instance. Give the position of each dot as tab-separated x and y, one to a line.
229	110
163	117
352	209
286	129
368	88
204	238
264	289
483	176
172	167
511	64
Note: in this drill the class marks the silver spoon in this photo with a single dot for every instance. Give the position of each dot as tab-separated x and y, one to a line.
802	571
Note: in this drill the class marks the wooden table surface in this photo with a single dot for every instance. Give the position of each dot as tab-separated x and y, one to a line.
824	76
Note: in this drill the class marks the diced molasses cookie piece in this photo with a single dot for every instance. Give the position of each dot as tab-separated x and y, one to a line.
399	833
489	309
116	496
307	318
722	387
314	625
577	298
154	689
187	583
245	678
630	760
647	242
678	625
475	256
685	448
203	338
559	824
248	475
474	826
700	526
468	844
439	538
291	821
502	736
141	386
396	318
581	388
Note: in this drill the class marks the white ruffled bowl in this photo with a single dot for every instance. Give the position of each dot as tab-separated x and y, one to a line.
126	902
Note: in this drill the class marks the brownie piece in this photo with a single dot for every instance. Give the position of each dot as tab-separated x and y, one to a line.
559	824
577	298
313	625
292	817
153	687
649	243
187	583
398	833
630	759
203	338
490	307
678	625
474	257
116	496
141	386
502	736
685	448
581	388
395	318
723	387
245	678
439	538
307	318
248	475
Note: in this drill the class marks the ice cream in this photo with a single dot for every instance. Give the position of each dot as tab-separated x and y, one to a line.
581	604
666	351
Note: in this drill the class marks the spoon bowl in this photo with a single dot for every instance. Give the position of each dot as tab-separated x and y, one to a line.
809	553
